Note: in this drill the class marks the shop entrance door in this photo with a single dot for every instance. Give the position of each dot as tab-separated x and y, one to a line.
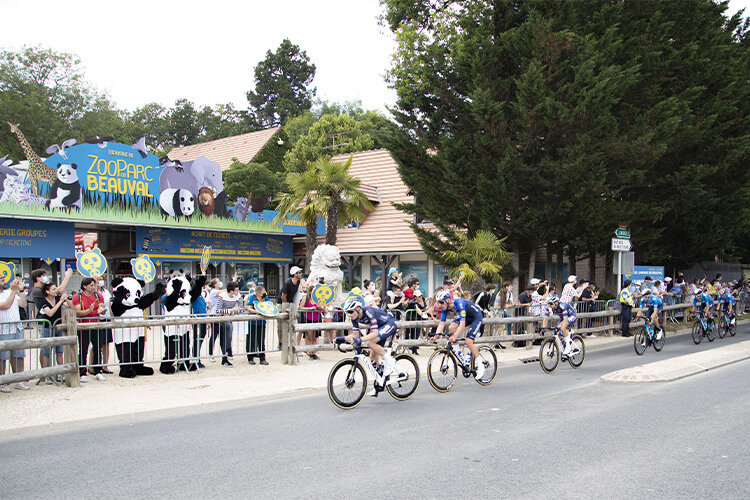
271	274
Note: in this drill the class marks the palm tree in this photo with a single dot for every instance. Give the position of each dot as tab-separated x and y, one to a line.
340	195
300	202
324	189
480	258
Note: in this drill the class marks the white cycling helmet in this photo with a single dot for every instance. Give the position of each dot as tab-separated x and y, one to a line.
443	295
350	304
647	291
552	299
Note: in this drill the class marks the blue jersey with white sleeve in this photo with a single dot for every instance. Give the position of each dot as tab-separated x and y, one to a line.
378	320
465	310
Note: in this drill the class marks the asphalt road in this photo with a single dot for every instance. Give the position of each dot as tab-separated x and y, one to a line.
528	435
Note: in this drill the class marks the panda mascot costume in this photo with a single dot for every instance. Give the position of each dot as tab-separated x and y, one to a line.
128	302
177	303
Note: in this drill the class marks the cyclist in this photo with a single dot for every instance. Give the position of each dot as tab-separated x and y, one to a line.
467	312
727	302
568	317
655	306
703	303
382	325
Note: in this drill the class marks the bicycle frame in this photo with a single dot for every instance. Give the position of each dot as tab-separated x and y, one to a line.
364	360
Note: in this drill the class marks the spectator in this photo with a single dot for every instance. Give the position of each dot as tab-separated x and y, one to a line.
569	292
50	312
482	299
215	287
413	311
255	342
105	335
394	279
504	300
199	308
396	302
89	305
228	304
311	313
370	296
290	289
588	298
38	278
522	308
11	328
626	307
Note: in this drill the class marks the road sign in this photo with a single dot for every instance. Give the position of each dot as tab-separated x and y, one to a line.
620	245
622	232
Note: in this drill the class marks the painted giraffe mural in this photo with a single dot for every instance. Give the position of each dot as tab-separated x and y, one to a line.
38	170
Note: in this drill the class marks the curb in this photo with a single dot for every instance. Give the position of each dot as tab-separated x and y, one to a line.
680	367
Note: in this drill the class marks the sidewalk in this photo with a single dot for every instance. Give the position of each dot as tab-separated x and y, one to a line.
50	407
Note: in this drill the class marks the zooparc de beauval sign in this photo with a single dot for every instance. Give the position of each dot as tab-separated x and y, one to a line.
117	183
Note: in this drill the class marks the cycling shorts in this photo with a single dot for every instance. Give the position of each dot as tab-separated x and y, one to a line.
384	332
471	329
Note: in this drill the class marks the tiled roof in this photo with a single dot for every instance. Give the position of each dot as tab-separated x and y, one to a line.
385	230
244	147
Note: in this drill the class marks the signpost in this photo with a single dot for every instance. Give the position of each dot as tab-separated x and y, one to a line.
621	244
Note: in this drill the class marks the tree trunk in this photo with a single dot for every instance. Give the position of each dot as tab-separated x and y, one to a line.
310	243
559	273
592	266
572	258
332	224
548	263
532	259
516	262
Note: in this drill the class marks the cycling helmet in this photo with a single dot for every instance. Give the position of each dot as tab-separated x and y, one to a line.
552	299
646	292
350	304
443	295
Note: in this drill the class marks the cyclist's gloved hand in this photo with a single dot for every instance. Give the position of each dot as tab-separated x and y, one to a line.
357	341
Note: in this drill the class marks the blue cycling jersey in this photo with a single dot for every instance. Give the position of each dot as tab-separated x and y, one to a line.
652	301
727	299
564	310
703	298
465	310
375	317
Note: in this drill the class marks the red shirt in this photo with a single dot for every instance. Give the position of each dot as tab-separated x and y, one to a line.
87	300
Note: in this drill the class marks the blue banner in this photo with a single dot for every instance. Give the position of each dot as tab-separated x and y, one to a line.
163	244
37	238
656	273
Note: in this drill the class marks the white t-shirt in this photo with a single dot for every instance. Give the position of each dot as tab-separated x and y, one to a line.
107	297
10	315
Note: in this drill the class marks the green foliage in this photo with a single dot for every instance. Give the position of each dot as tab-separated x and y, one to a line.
281	85
479	258
331	135
559	121
251	180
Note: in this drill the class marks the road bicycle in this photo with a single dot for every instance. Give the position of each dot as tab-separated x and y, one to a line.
442	368
727	325
703	327
645	337
550	352
347	382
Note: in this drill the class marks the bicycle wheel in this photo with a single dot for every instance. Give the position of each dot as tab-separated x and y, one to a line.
711	332
404	378
723	327
549	355
697	332
442	370
576	359
347	383
488	358
659	344
640	341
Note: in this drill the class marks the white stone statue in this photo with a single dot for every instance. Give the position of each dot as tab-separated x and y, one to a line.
326	260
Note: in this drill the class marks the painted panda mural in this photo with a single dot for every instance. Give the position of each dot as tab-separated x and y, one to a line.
128	302
177	203
177	337
65	192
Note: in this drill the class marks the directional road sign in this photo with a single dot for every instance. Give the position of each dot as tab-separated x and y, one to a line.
622	232
620	245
